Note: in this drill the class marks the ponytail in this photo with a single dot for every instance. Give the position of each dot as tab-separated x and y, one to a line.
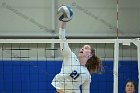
94	64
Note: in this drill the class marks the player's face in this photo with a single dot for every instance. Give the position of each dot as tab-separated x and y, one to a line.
85	51
129	88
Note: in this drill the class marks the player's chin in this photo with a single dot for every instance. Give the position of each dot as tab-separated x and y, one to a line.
129	92
79	55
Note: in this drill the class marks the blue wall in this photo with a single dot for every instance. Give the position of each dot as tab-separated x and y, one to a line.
36	76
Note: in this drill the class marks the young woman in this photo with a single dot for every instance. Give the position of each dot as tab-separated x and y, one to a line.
130	87
75	71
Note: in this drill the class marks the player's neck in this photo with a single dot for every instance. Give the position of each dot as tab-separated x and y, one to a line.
83	61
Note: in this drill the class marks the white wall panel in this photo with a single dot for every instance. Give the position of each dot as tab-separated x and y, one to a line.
94	18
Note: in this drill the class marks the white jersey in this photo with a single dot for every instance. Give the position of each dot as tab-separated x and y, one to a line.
72	74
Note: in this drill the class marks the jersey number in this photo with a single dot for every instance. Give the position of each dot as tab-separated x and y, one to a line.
74	74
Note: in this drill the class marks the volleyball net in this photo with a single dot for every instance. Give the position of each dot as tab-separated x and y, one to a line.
29	65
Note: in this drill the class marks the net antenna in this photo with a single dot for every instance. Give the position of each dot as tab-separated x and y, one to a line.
116	53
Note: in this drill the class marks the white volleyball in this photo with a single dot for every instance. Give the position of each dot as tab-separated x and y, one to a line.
65	13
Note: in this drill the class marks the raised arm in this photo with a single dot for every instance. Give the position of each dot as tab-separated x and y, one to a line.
66	51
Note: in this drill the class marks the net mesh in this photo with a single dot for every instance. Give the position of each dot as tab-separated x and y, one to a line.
30	67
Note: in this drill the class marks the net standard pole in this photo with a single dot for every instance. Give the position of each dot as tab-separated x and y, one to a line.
137	43
116	60
116	53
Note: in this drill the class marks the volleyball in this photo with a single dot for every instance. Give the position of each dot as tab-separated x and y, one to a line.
65	13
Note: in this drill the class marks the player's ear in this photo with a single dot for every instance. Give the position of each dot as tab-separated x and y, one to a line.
90	55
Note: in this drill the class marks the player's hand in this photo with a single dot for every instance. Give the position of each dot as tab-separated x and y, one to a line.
62	24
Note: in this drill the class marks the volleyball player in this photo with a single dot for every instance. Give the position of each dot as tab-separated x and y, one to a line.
130	86
75	71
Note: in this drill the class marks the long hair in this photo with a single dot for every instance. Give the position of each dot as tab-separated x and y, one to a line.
94	64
